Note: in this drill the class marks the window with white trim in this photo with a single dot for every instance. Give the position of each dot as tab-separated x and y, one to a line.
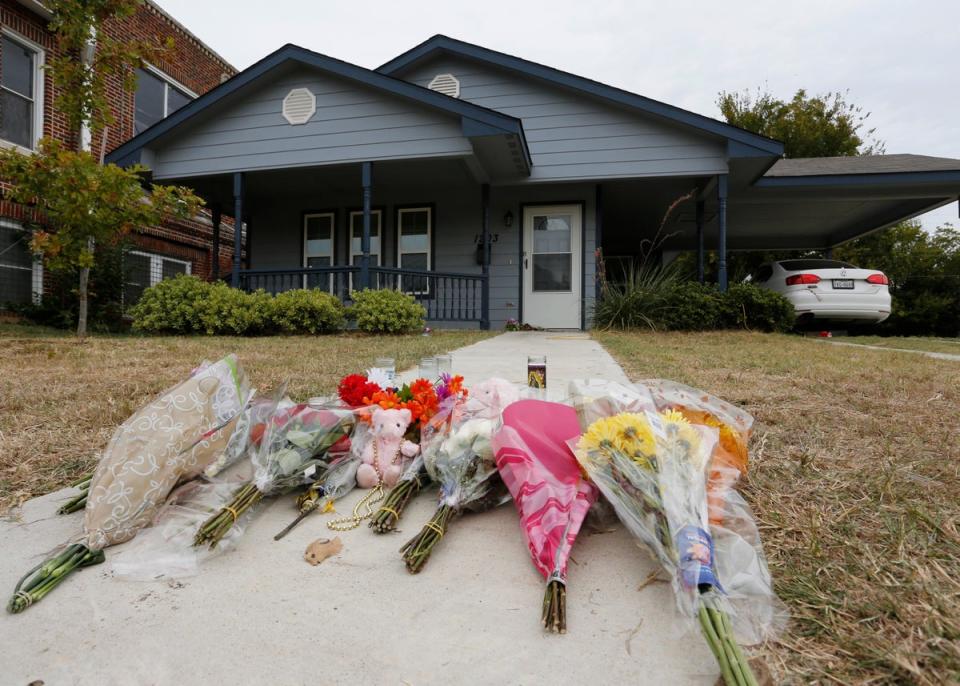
414	230
319	238
21	92
144	269
356	237
157	97
21	274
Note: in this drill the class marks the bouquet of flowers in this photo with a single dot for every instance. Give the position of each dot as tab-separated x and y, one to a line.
757	612
295	446
253	414
549	490
652	467
172	439
730	456
451	392
458	455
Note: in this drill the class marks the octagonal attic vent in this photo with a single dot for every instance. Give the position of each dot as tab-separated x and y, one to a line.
299	106
448	84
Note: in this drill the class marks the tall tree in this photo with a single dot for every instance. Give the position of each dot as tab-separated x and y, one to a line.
83	202
825	125
90	56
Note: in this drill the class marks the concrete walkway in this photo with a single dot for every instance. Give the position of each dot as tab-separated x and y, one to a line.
260	614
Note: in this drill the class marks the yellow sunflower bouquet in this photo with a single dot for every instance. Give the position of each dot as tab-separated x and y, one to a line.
652	467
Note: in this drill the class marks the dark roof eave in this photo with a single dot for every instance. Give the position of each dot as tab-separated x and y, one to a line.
441	43
491	118
876	179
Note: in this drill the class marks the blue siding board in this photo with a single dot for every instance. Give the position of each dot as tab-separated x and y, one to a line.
561	127
352	123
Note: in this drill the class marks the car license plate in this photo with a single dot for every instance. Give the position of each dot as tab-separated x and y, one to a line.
843	283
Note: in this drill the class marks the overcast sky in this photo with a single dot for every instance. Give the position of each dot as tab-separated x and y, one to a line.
899	60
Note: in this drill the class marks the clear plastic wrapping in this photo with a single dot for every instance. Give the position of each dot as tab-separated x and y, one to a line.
457	450
653	467
165	551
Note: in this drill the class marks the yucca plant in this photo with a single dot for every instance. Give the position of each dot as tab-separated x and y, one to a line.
639	300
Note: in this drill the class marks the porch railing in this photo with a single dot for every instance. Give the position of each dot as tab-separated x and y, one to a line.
447	297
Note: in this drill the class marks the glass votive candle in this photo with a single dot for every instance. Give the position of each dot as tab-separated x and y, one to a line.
537	371
444	364
428	368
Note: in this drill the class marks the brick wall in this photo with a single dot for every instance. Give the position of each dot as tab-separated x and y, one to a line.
191	64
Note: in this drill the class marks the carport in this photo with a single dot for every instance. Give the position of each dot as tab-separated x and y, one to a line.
795	204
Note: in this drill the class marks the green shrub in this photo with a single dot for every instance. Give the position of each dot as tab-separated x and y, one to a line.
232	312
692	306
751	307
186	305
307	311
636	302
656	300
171	306
387	311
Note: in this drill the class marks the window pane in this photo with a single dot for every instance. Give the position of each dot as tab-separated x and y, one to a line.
318	261
16	266
551	234
319	236
15	285
414	244
356	223
418	261
17	67
16	119
414	222
15	247
148	100
175	100
552	272
138	277
171	269
356	248
356	231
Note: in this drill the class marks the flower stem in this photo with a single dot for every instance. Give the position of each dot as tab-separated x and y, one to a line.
46	576
216	527
718	632
417	550
554	616
385	519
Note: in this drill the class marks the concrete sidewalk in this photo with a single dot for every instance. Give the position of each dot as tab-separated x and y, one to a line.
260	614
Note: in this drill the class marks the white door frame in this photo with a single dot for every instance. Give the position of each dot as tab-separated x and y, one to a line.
553	309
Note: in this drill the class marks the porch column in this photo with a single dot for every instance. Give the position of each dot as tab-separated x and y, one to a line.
237	227
722	224
485	237
700	205
216	213
366	180
598	233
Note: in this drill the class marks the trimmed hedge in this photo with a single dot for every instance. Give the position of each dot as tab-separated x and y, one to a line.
188	305
387	311
308	311
692	306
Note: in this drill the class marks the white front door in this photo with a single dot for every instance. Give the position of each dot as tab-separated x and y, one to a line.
552	263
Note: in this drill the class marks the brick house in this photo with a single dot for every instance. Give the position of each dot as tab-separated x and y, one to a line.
28	112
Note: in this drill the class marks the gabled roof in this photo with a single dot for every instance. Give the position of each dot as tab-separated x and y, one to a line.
476	120
444	44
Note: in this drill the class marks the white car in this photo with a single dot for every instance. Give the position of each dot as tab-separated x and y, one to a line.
828	289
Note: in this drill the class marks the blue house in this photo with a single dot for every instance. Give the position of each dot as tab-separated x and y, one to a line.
494	188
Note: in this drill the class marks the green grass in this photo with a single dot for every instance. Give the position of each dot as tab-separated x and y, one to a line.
61	399
854	481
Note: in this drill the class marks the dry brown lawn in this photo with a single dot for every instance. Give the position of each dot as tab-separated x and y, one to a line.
855	481
60	399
